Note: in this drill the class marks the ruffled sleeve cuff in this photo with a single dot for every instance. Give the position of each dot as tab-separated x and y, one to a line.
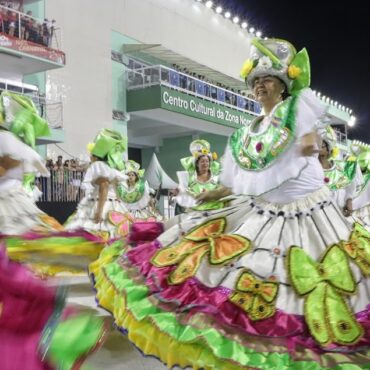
311	113
184	199
100	169
11	146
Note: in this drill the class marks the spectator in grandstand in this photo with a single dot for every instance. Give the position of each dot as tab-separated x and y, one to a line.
50	164
12	23
2	14
46	32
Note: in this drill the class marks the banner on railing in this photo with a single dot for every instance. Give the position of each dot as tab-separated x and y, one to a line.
29	47
183	103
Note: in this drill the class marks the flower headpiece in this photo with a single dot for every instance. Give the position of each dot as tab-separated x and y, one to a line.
109	145
19	115
277	58
200	148
132	166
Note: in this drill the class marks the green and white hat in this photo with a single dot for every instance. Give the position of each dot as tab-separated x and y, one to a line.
19	115
111	145
132	166
276	57
200	148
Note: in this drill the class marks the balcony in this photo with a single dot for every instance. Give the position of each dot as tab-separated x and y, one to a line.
27	45
148	76
167	103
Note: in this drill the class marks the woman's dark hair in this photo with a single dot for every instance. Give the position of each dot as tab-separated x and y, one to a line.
104	159
326	145
197	163
285	93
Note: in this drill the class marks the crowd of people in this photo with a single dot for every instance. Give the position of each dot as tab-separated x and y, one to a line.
64	182
25	26
204	86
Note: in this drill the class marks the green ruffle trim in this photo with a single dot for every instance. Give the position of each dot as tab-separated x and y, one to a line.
74	339
131	297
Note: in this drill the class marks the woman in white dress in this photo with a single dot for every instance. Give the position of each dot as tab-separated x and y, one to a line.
20	126
201	174
278	280
341	176
136	195
100	186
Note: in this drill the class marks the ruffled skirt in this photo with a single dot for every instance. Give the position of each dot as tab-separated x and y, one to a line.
19	214
34	238
36	332
253	286
145	214
84	217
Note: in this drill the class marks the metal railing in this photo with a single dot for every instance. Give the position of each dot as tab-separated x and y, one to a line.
63	185
26	27
141	78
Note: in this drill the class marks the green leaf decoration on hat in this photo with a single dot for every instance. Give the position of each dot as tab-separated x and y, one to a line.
300	72
112	145
27	123
266	51
188	163
363	160
323	285
132	166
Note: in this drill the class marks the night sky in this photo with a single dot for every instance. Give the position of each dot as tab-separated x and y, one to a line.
336	35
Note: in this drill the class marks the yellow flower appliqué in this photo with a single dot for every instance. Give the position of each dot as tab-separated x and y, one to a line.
90	147
246	68
335	152
214	156
207	239
293	71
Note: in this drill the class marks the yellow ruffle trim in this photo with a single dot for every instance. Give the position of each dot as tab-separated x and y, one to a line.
43	270
55	258
147	336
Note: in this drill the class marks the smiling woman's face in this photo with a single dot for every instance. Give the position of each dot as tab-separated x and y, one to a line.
268	89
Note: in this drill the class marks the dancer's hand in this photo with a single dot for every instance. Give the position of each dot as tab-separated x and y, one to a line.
215	194
309	144
206	196
98	218
347	209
